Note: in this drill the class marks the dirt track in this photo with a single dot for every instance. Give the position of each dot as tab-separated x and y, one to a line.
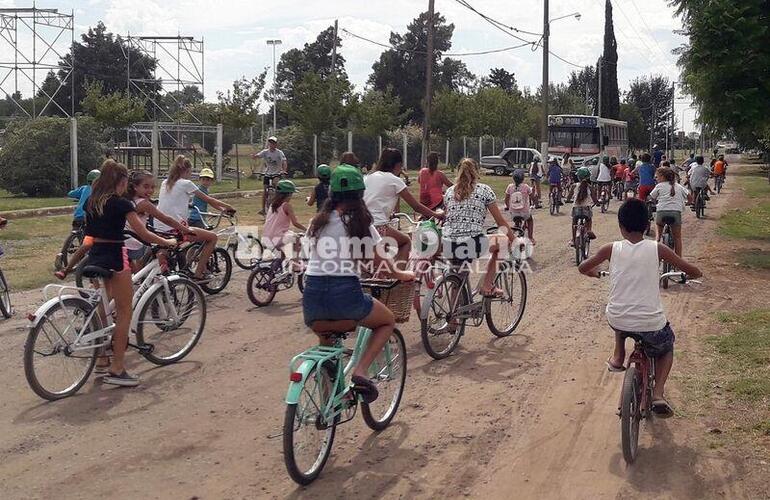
531	416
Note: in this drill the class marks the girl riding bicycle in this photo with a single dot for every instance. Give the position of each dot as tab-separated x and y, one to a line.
174	199
107	213
517	202
671	198
584	200
280	218
432	182
342	235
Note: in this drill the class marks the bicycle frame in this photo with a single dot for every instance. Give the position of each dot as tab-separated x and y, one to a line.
646	367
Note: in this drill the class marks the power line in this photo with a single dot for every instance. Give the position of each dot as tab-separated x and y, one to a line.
663	53
499	25
422	52
581	66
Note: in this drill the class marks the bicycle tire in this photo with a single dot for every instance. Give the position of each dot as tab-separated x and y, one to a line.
381	422
668	240
62	259
6	309
219	258
33	378
586	246
149	310
249	264
552	205
630	414
261	279
442	291
305	477
496	330
301	282
578	242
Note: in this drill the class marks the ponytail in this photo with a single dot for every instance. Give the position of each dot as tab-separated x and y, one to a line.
670	176
582	191
467	176
180	166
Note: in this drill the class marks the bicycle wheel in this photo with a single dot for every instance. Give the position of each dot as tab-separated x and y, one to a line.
248	263
585	247
388	372
5	297
307	438
552	205
578	246
301	282
70	246
260	287
630	414
171	340
221	268
668	240
504	314
54	370
440	333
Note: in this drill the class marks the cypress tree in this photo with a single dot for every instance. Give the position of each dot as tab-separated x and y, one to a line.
609	68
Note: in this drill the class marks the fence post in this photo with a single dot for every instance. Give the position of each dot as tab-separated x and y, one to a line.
155	150
465	147
74	151
406	146
480	154
379	146
350	140
493	145
315	152
446	157
220	132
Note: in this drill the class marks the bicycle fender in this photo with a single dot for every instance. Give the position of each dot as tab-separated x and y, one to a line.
40	313
295	388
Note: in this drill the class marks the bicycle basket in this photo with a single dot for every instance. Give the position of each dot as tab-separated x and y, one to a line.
399	300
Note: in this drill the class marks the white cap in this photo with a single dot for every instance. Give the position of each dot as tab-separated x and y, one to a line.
272	138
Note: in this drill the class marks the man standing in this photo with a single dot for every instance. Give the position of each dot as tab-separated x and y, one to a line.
657	156
275	166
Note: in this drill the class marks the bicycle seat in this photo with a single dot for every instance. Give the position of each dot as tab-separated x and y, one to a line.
333	327
518	220
96	272
668	220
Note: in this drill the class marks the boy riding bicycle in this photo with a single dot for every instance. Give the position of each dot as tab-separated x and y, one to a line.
634	308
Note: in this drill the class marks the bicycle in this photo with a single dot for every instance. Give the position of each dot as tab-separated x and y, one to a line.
272	275
582	241
604	198
219	265
667	238
269	187
320	394
452	303
72	242
699	204
554	201
75	327
248	244
617	189
652	208
719	181
6	309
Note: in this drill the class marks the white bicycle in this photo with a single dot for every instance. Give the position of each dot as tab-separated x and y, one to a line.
246	249
74	326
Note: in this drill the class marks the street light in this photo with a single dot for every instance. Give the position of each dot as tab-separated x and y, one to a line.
546	34
275	84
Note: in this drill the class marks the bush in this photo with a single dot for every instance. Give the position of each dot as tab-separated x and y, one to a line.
36	157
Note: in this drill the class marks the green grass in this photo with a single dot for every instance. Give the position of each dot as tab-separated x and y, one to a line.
750	223
9	201
755	259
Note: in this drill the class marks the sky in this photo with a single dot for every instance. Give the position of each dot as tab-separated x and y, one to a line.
235	32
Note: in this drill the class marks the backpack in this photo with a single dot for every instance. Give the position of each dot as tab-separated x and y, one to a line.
517	200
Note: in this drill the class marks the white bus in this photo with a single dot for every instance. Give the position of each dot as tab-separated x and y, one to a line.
586	138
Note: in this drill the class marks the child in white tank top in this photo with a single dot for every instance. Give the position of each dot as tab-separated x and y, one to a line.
634	308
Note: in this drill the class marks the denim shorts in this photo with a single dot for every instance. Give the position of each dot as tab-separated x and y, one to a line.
655	344
334	298
674	215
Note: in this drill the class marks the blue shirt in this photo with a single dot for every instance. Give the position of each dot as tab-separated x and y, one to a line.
200	204
554	174
657	156
647	175
81	194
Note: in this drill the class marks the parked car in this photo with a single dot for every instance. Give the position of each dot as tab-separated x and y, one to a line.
509	159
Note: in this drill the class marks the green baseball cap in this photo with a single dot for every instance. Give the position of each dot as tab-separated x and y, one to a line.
346	179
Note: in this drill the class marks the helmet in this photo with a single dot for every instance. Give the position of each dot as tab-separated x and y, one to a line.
324	171
206	172
583	173
286	187
93	175
518	175
346	179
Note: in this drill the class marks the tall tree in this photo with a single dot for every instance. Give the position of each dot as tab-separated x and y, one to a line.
175	102
115	110
638	135
102	57
238	108
377	112
583	84
499	77
610	97
403	67
652	97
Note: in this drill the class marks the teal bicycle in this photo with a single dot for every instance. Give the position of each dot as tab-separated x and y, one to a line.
321	396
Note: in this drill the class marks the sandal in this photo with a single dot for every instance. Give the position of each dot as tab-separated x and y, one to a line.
662	409
365	388
613	368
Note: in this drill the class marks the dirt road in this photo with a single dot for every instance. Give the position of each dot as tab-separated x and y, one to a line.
531	416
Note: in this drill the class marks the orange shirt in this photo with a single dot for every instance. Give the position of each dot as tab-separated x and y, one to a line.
719	167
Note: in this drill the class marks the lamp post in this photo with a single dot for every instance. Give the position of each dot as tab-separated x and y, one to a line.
546	35
275	84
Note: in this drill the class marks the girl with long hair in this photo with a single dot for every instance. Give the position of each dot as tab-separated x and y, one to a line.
342	236
107	213
174	199
672	198
281	217
432	182
384	188
584	200
467	203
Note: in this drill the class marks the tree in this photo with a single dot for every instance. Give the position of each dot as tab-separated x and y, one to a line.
115	110
500	78
449	114
403	68
35	159
725	65
319	107
638	135
102	57
377	111
610	97
239	107
583	84
652	97
176	101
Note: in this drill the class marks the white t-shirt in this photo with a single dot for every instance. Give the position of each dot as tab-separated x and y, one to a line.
334	253
662	193
604	173
175	203
465	219
634	303
273	160
381	195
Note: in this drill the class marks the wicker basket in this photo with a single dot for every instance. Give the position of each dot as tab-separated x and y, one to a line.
399	300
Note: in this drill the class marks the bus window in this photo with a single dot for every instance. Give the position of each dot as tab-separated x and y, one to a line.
560	138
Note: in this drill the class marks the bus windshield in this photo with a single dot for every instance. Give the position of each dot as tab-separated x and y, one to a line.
573	140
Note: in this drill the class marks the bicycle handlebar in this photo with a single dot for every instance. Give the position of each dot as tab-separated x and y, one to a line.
679	276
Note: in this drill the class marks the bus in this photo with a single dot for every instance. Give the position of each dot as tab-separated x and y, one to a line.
586	138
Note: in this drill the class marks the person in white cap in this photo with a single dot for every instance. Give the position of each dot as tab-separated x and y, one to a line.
275	165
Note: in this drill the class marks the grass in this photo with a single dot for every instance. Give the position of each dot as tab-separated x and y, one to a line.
9	201
755	259
751	223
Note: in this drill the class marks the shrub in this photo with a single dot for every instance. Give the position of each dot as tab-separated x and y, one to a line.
36	157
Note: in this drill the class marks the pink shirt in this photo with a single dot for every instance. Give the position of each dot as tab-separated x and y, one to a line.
519	199
431	187
276	224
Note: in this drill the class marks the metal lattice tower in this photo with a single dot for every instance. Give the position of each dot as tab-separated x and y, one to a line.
39	39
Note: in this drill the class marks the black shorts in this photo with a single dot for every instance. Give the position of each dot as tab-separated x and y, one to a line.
465	250
110	256
655	344
268	179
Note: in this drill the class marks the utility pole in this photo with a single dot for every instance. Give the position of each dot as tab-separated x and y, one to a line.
275	85
544	124
673	122
652	124
428	87
599	97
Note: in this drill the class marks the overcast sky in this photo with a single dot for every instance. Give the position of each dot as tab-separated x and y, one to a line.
235	32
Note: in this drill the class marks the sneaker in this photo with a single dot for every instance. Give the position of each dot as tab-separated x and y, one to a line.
123	380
